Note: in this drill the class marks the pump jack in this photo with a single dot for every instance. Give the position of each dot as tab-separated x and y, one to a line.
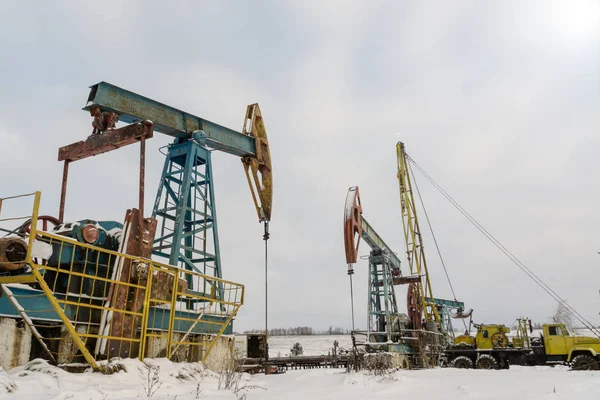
103	291
388	329
426	330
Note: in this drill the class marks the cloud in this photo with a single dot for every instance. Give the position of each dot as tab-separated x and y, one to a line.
498	103
9	144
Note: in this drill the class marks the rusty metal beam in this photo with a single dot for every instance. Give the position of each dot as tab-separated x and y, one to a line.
403	280
137	242
141	191
106	141
63	192
131	107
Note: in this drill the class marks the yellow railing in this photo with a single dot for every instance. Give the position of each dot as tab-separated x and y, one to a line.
91	309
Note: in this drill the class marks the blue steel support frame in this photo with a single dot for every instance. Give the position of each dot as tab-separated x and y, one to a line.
383	309
444	306
185	207
177	203
199	135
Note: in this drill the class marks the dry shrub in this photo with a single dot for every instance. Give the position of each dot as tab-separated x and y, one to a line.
379	363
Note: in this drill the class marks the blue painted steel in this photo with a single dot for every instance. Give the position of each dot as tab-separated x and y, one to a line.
158	318
401	348
374	240
444	306
185	208
187	233
383	318
38	308
33	301
108	232
445	303
132	107
79	259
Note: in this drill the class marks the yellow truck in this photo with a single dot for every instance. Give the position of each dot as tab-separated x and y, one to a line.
491	348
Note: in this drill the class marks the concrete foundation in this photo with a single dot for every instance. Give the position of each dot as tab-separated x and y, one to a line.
156	347
16	346
220	353
15	343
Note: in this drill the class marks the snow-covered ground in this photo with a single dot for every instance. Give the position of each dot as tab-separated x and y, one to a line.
40	381
520	382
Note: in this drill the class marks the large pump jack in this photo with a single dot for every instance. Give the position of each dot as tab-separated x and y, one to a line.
152	286
185	204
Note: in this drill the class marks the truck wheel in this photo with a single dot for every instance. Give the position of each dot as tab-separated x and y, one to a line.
461	362
584	362
485	361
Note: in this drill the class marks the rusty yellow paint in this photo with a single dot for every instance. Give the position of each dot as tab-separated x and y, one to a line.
258	169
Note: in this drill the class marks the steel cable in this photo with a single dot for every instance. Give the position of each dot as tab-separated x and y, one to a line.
434	238
587	324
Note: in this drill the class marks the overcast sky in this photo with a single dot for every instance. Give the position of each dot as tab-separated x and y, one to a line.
498	101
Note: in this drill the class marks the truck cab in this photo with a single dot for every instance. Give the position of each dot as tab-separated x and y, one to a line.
562	345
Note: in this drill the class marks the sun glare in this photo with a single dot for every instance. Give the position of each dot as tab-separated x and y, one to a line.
578	18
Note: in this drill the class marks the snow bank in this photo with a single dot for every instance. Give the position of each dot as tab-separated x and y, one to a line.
186	381
131	379
7	384
528	383
41	381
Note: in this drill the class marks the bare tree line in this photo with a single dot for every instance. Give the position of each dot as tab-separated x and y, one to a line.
301	331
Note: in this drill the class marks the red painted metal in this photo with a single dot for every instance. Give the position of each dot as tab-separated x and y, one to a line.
44	219
352	226
403	280
89	233
414	306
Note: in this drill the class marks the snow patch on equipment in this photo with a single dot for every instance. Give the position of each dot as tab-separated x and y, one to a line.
41	250
349	203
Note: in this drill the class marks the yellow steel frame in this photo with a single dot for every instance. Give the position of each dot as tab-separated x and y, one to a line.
522	333
148	300
415	252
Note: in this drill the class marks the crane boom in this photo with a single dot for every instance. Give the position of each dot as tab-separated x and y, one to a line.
415	252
